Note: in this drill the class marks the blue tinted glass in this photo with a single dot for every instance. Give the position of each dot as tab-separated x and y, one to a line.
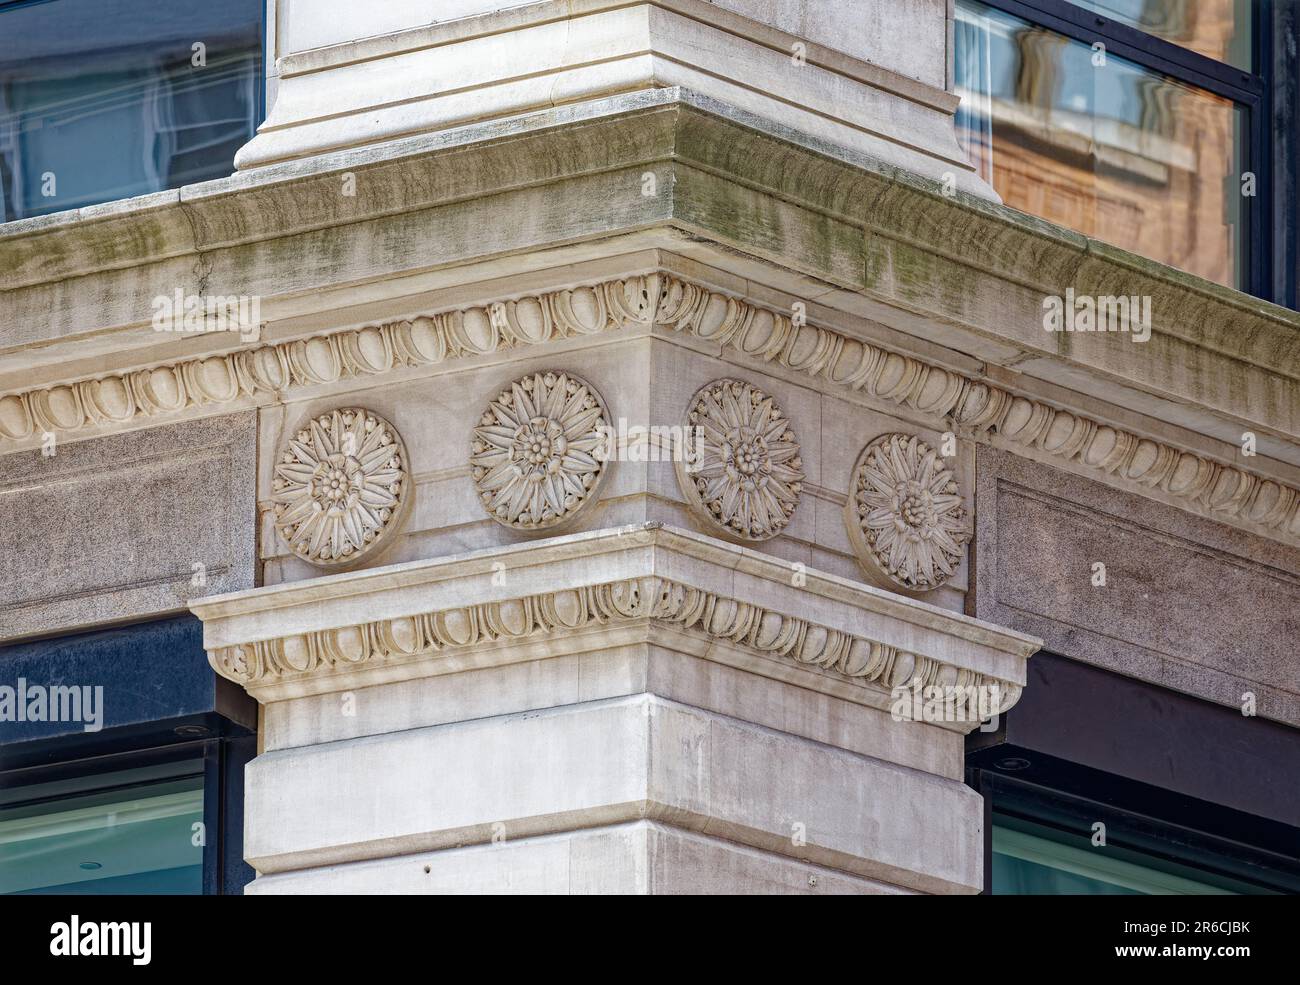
104	99
106	834
1037	860
1019	877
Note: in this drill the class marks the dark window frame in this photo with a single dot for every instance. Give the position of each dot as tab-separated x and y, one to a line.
220	761
1172	776
1150	828
1268	217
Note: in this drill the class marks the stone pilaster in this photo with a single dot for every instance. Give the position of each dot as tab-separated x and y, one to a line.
347	76
639	709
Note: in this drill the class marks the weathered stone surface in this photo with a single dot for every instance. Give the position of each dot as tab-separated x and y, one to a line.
641	858
865	30
112	529
694	678
840	72
606	678
604	763
1187	603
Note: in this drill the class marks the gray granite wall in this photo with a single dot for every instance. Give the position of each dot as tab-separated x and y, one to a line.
113	529
1187	603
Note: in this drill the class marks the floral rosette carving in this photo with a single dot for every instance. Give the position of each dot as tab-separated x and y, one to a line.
905	514
745	476
538	454
341	487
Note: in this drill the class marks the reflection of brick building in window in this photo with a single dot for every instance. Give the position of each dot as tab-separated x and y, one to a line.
1218	29
1162	199
1138	160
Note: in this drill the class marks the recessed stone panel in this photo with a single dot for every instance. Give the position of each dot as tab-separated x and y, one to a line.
127	526
1187	603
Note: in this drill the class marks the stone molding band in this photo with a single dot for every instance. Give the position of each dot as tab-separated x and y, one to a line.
277	367
871	663
1222	491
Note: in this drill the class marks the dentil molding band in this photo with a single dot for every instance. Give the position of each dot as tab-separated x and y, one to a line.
350	354
869	662
1222	491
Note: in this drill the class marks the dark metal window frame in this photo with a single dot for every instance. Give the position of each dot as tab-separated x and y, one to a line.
1157	825
216	759
1172	776
1269	276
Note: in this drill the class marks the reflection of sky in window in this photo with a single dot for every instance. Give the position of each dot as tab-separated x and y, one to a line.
1081	144
1218	29
62	36
1112	91
118	107
1004	56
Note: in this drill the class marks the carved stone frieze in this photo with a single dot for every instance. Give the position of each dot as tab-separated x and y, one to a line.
538	454
1220	490
279	367
906	517
746	476
341	487
1215	488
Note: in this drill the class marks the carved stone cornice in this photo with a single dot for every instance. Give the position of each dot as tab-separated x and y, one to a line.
1223	491
540	599
985	411
859	658
79	285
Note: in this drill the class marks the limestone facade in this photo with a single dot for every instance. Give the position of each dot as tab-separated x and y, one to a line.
632	415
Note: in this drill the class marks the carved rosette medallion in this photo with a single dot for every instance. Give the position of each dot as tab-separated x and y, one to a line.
341	487
538	454
906	517
745	474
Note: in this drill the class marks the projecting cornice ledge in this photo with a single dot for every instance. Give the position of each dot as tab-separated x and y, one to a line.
592	591
871	238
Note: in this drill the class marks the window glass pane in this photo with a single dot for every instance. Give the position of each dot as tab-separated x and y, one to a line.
104	99
112	836
1100	144
1218	29
1015	874
1036	859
